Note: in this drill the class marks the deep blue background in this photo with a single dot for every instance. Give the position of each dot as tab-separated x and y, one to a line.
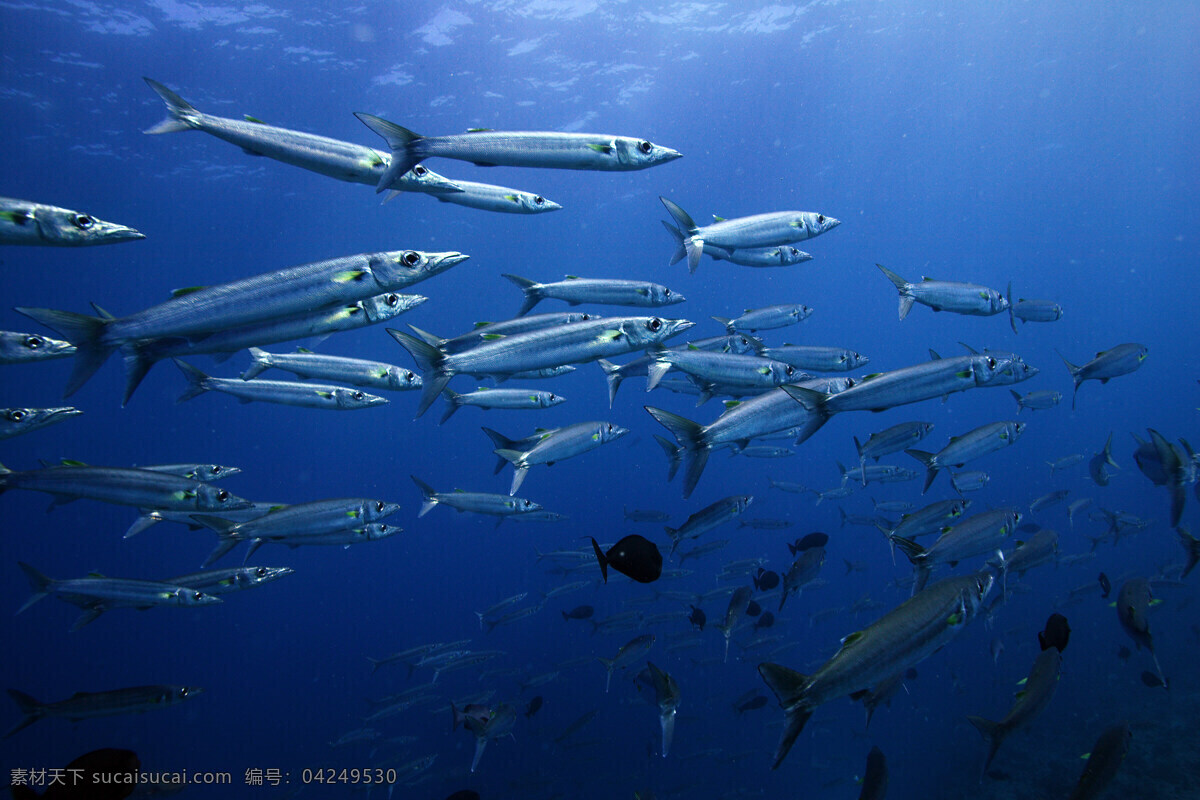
1050	145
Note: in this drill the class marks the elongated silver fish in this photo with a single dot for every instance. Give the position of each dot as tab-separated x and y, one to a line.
967	447
819	359
354	371
1033	698
86	705
497	505
15	421
143	354
755	231
551	347
225	581
607	291
25	222
977	535
780	256
97	594
194	314
1120	360
666	697
959	298
22	348
553	446
487	197
902	638
1036	401
485	398
344	161
768	317
590	151
288	393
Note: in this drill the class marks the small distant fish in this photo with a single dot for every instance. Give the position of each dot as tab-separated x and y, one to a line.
1035	311
969	481
766	580
1152	680
959	298
766	620
1036	401
815	539
646	515
534	706
1105	585
634	556
756	701
1047	500
579	612
697	618
1056	634
1120	360
1064	462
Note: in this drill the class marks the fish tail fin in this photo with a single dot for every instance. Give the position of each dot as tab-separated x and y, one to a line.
612	374
813	402
608	665
674	456
31	708
80	330
427	494
603	561
532	290
931	470
728	323
138	362
452	404
197	380
502	442
375	664
1108	456
260	362
655	372
181	115
912	551
224	545
1074	370
690	436
519	473
38	582
1191	547
434	376
788	686
693	245
906	299
680	249
1012	319
992	735
400	140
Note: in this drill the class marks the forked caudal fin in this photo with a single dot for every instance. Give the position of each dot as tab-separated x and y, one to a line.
182	116
993	735
690	436
429	360
400	141
532	290
906	299
80	330
693	245
788	686
931	469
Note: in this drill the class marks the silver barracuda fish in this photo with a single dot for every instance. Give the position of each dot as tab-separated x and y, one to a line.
354	371
708	518
492	331
615	374
550	347
344	161
289	393
1037	401
22	348
553	446
97	594
768	317
548	149
780	256
193	314
485	398
141	488
892	440
497	505
720	369
902	638
87	705
16	421
818	359
143	354
225	581
24	222
977	535
967	447
759	230
1036	693
666	698
959	298
607	291
485	196
1120	360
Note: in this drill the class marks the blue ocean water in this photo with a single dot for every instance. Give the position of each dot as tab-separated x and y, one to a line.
1046	145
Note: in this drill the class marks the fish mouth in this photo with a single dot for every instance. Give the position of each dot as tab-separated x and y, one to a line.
62	413
445	260
550	205
111	233
668	154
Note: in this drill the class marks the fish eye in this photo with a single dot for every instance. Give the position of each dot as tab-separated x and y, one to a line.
850	383
610	427
379	505
820	219
991	362
666	292
357	395
654	324
222	495
409	376
33	342
261	572
383	528
795	252
420	171
392	299
82	221
197	596
411	258
16	414
216	469
645	146
538	200
789	370
184	692
552	396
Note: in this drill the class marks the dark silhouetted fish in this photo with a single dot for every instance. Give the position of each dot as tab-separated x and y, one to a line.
1057	633
808	542
697	618
1105	585
753	609
1033	698
1152	680
634	556
1103	762
765	621
80	781
535	705
579	612
875	778
766	580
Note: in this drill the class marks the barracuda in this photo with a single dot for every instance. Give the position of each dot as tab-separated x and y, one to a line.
25	222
